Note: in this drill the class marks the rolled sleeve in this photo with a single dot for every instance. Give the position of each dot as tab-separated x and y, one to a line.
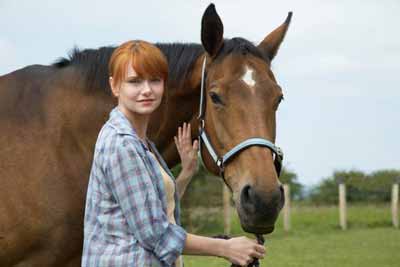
131	185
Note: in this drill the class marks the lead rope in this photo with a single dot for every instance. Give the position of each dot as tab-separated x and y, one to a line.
256	262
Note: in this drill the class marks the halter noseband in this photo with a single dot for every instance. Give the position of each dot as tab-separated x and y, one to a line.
220	161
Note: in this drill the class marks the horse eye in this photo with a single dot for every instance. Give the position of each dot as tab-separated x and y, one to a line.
215	98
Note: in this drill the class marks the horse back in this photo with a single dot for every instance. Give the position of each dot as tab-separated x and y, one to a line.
48	128
22	93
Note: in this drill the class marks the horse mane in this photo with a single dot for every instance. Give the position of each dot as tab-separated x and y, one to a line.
181	58
93	63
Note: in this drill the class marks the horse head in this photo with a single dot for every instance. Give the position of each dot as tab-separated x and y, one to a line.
240	100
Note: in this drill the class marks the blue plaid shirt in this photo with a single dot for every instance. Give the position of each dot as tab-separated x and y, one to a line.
126	220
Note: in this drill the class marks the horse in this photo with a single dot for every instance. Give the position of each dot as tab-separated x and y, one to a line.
50	117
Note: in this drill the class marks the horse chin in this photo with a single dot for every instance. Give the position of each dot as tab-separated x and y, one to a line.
258	230
254	226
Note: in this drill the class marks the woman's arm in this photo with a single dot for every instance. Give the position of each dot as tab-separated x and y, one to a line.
182	182
238	250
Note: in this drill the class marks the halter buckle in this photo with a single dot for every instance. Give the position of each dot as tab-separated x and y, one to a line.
202	123
220	163
279	152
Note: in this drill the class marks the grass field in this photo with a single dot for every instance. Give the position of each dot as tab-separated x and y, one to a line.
317	240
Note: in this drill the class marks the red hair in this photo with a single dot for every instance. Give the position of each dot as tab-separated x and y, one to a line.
147	60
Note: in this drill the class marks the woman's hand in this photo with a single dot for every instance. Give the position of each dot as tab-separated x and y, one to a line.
242	250
187	151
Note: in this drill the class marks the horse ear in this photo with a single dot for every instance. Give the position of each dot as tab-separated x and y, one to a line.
212	31
270	45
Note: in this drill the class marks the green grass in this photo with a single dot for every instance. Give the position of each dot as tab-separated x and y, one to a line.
317	240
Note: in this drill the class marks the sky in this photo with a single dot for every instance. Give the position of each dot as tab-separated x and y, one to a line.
339	65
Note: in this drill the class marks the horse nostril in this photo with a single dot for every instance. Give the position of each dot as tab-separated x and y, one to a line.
264	202
249	199
246	194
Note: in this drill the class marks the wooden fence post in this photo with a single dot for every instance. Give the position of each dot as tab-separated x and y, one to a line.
342	205
286	208
227	209
395	203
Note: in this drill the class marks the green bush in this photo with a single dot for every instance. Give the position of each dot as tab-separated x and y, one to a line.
360	187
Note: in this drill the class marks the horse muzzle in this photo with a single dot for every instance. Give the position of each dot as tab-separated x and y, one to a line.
258	210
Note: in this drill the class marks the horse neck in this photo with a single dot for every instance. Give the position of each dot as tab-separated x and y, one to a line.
182	106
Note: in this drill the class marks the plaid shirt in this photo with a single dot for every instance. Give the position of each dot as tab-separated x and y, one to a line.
125	216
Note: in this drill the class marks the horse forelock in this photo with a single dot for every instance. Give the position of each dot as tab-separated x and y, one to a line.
240	46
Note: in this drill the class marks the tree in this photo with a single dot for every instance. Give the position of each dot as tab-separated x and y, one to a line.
361	187
296	188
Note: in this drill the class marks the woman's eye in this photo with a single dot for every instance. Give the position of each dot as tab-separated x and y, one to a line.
216	99
135	81
156	80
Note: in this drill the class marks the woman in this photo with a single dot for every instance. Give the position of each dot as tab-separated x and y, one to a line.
132	205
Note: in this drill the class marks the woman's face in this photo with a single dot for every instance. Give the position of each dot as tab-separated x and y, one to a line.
137	95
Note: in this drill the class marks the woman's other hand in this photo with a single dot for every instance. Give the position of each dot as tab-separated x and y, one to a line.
187	150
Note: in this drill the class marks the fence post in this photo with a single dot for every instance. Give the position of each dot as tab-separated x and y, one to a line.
227	209
395	203
286	208
342	204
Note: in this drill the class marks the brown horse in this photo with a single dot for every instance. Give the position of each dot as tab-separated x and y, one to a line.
50	117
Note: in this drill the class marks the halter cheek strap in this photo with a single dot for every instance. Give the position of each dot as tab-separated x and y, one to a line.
221	161
202	92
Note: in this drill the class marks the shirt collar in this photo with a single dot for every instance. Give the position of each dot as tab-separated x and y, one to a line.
123	126
120	123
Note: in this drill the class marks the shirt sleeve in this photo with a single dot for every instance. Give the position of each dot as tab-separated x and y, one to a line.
135	192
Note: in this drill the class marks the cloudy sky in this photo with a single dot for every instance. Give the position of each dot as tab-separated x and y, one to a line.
339	65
